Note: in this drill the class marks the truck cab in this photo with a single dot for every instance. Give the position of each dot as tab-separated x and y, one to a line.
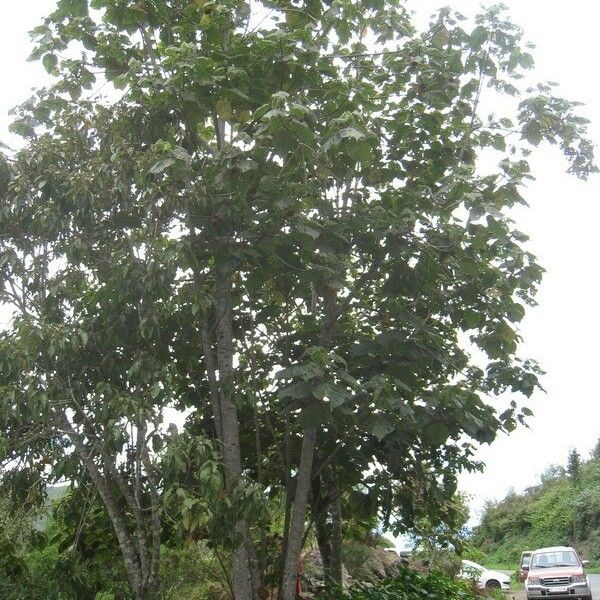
557	573
524	565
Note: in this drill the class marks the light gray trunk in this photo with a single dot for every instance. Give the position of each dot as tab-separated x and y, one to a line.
212	381
242	580
336	526
115	514
298	516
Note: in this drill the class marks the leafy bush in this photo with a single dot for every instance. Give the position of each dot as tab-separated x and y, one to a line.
411	585
356	559
192	573
558	511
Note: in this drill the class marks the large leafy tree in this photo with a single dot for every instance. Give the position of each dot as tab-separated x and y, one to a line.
276	217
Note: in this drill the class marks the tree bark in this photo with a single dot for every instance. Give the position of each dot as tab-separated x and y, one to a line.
298	516
153	578
319	507
336	559
115	514
242	579
213	386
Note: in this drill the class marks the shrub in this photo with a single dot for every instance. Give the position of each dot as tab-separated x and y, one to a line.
356	559
411	585
192	573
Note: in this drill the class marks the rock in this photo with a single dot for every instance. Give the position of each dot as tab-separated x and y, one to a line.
366	565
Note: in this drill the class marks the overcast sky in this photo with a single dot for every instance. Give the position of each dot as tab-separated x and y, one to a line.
563	332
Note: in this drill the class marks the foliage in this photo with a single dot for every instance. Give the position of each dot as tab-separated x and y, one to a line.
75	558
596	451
434	539
278	222
574	466
410	585
193	572
561	510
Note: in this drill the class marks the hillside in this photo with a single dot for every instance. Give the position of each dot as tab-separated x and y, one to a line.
563	509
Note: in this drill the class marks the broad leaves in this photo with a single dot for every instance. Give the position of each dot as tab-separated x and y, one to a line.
335	185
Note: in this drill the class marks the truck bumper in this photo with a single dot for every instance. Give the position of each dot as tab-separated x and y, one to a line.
573	591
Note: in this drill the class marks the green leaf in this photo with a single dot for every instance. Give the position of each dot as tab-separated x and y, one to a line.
383	426
312	232
50	62
349	133
157	442
532	132
436	433
297	391
478	36
314	414
162	165
335	394
526	61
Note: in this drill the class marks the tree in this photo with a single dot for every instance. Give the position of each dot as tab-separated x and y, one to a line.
277	220
447	532
552	472
596	451
17	534
574	466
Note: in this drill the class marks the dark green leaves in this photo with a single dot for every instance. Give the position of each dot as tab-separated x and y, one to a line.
320	200
382	426
478	36
436	433
50	62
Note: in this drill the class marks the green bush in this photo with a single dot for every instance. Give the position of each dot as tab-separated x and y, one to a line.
356	559
411	585
192	573
558	511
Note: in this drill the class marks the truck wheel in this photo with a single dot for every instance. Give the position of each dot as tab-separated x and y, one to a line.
492	583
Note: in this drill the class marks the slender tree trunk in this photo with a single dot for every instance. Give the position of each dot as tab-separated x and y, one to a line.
242	579
115	514
336	560
289	487
213	386
319	507
298	516
153	579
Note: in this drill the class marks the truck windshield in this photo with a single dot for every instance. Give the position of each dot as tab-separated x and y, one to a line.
547	560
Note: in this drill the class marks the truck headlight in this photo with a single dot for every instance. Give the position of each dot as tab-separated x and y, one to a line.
533	581
579	579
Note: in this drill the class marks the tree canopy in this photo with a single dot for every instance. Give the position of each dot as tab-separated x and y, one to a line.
275	220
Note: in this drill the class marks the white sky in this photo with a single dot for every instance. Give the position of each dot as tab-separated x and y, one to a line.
563	333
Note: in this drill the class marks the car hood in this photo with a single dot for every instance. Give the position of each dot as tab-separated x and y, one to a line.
558	572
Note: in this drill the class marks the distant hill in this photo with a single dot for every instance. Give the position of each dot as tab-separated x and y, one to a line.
53	493
563	509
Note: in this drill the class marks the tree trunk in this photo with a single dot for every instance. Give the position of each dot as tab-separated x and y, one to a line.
298	517
336	560
319	507
115	514
212	381
242	579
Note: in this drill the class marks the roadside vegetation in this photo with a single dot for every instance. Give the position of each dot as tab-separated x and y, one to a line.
563	509
412	585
